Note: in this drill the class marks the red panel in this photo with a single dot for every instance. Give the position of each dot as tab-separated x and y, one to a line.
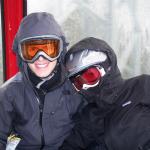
13	13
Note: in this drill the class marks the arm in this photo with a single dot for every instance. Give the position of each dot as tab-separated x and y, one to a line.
2	146
88	127
6	115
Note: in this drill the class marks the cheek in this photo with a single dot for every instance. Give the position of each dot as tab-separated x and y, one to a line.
31	66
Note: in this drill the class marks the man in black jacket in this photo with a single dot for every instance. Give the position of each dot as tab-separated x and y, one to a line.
118	113
37	104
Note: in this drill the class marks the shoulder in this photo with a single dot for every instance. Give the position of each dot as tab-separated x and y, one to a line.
73	98
68	87
141	79
70	90
12	84
140	85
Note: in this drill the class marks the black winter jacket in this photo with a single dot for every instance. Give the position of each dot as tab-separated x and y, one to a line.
118	117
20	106
126	126
20	113
41	117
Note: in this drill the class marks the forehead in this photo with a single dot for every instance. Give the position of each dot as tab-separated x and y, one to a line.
40	41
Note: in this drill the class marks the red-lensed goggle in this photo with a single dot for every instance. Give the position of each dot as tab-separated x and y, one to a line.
31	49
87	78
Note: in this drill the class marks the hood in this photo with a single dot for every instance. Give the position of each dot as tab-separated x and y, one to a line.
92	43
36	25
111	83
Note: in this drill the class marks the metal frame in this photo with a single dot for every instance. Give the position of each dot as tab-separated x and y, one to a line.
12	11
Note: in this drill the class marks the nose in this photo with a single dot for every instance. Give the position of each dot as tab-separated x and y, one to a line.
41	58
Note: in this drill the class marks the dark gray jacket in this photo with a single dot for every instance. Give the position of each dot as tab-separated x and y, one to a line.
20	110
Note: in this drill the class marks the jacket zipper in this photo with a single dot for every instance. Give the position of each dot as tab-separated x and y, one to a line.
40	122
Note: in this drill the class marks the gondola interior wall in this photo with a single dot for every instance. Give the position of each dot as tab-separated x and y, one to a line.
124	24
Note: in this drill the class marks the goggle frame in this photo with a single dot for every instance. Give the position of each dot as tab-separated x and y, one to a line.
41	53
87	85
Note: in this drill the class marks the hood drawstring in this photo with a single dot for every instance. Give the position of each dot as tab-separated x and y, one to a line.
44	80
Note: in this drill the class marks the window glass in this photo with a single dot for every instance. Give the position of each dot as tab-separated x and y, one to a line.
124	24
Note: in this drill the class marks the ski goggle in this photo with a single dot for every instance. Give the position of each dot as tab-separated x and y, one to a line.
87	78
31	49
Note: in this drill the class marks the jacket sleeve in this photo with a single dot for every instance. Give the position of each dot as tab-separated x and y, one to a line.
6	117
89	126
2	146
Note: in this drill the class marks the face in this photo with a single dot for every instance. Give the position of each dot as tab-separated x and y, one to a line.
42	67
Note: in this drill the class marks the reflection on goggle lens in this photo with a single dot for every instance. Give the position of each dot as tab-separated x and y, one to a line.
89	76
29	49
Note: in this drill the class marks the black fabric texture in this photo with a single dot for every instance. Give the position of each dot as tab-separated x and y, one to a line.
119	110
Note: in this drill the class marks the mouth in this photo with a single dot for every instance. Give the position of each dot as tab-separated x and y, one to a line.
41	65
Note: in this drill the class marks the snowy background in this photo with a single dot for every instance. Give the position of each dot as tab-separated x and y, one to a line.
123	24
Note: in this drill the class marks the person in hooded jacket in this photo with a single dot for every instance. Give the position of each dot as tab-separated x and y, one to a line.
118	113
37	104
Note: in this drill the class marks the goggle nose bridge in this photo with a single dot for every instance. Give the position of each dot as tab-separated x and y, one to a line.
43	54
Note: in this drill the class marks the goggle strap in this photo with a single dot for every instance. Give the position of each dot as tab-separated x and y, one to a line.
75	87
102	71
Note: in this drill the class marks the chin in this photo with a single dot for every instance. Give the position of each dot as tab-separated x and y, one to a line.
41	75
